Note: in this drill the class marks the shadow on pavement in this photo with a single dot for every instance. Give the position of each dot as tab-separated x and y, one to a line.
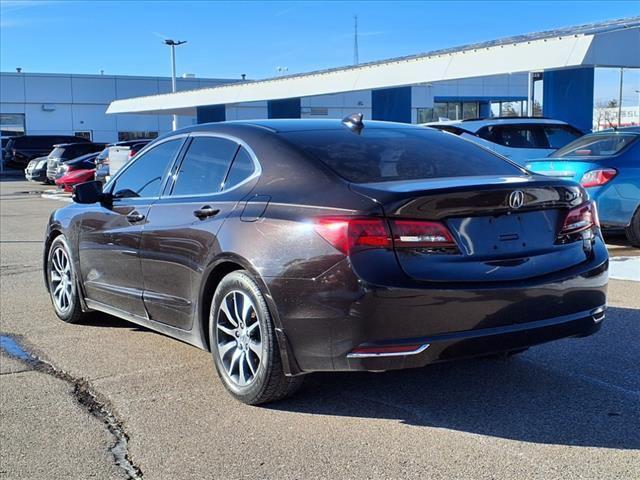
99	319
580	392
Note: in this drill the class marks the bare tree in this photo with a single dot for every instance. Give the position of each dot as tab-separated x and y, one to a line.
604	115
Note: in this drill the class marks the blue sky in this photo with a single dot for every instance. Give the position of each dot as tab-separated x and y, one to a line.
226	39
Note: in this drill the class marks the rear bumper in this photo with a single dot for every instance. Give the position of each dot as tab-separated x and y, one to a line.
36	175
614	210
483	341
326	318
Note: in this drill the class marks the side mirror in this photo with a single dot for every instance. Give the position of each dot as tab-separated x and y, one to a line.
88	192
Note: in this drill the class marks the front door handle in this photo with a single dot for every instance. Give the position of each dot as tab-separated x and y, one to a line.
134	217
206	212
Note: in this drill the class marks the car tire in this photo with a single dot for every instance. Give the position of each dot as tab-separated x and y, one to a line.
62	282
633	230
244	345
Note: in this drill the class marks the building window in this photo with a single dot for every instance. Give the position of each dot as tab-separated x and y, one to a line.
83	134
515	108
124	136
12	124
318	111
511	109
425	115
448	110
439	111
470	110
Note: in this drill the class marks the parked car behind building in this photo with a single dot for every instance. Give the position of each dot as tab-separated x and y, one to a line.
103	160
36	170
68	151
19	151
76	171
517	138
607	164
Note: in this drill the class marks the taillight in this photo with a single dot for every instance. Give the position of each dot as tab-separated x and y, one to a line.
421	234
353	234
580	218
132	153
595	178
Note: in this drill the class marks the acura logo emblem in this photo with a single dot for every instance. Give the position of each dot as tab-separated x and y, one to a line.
516	199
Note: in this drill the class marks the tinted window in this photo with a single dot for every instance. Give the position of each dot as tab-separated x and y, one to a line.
600	145
204	166
559	135
514	136
378	155
143	177
241	169
42	142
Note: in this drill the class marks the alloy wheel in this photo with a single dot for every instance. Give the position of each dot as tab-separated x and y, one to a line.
61	279
239	338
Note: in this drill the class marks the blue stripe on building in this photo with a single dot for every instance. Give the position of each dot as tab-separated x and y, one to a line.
287	108
391	104
211	113
568	96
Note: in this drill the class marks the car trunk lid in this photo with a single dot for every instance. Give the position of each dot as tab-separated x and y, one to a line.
565	169
496	239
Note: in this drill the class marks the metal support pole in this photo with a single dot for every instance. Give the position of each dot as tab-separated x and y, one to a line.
174	122
530	94
620	99
173	44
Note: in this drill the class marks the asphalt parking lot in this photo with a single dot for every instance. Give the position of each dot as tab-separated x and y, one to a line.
108	399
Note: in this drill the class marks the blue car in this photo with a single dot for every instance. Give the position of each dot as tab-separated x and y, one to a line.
607	164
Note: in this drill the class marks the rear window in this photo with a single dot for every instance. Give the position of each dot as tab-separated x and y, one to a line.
385	155
103	154
57	152
600	145
529	136
558	136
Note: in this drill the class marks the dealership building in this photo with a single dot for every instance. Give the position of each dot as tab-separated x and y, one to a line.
69	104
548	73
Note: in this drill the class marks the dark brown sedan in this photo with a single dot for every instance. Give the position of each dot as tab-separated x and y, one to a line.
293	246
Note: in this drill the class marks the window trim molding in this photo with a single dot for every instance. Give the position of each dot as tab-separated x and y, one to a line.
241	143
112	181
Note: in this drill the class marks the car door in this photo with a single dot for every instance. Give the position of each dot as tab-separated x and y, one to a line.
109	238
181	229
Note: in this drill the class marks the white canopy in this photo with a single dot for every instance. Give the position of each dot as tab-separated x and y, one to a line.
610	44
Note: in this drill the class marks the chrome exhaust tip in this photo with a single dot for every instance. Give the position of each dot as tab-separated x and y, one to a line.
598	314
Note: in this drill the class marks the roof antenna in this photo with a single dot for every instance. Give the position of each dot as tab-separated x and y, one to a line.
356	59
354	122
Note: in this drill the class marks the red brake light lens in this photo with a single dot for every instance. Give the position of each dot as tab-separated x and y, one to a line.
580	218
352	234
595	178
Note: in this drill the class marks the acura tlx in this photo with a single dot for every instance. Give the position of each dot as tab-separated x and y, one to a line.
285	247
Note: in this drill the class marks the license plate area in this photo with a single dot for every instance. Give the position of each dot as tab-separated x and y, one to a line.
506	235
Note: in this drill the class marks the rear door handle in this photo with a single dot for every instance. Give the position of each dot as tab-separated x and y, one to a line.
206	212
134	217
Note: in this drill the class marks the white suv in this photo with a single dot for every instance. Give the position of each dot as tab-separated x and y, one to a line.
517	138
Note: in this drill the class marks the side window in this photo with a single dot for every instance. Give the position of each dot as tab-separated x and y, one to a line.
143	177
205	166
241	169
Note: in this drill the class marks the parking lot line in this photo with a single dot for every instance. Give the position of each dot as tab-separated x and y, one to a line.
625	268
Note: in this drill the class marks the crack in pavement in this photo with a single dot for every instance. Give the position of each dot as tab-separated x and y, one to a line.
86	397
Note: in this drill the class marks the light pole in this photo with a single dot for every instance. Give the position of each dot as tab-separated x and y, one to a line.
620	98
173	44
